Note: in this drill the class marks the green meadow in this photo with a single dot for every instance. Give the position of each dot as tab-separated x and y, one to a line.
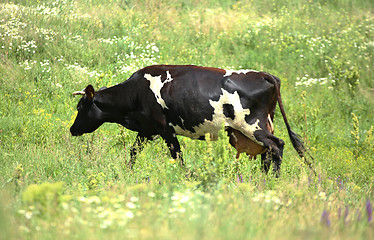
55	186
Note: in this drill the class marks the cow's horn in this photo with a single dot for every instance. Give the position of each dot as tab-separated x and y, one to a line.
79	93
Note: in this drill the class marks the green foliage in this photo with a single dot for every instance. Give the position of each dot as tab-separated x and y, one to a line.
212	166
94	180
56	186
344	75
44	196
355	135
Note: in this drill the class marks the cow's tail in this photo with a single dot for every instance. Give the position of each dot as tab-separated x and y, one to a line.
295	138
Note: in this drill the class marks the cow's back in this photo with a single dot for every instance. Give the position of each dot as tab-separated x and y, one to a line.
200	100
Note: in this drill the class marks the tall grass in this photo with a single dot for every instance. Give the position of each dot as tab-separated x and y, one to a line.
56	186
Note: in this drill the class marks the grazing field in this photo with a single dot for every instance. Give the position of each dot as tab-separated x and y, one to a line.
55	186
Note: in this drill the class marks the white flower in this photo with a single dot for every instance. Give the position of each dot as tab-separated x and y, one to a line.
131	205
184	199
134	199
28	214
129	214
276	200
82	199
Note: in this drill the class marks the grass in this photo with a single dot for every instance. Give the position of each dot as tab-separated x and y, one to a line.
55	186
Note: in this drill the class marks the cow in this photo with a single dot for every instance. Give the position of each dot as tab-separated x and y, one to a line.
192	101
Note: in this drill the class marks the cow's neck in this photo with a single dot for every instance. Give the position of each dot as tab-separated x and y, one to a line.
115	102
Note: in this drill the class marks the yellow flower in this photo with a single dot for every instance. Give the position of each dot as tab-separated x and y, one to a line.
173	161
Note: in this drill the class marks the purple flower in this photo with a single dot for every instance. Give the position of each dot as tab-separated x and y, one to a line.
369	210
325	218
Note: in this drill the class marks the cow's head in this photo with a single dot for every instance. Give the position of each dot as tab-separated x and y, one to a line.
89	116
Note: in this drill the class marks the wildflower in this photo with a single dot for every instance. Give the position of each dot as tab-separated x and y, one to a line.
117	205
134	199
175	197
106	223
239	178
131	205
181	209
322	195
104	213
173	161
184	199
28	214
325	218
129	214
94	199
369	210
276	200
267	198
65	206
151	194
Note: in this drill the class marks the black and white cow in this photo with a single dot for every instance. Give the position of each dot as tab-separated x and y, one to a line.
170	100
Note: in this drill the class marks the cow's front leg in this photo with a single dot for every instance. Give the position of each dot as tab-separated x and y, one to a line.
136	148
173	144
277	157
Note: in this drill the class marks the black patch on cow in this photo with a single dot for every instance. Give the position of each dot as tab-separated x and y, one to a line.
228	111
201	138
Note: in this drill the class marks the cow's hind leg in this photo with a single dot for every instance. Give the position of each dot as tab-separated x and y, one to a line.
274	147
266	160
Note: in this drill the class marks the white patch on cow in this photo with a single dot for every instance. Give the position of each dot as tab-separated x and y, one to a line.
270	124
219	119
156	85
168	77
182	120
230	72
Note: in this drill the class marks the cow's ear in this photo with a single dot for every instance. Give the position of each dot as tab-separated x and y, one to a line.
89	92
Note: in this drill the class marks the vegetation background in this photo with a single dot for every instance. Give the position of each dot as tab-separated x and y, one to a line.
55	186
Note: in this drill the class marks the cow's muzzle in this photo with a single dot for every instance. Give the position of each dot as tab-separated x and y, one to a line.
74	132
